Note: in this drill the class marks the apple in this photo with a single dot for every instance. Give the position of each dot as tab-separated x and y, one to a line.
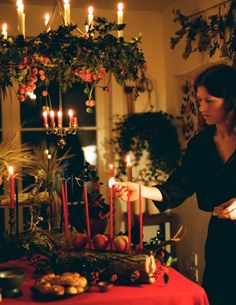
79	241
100	241
121	243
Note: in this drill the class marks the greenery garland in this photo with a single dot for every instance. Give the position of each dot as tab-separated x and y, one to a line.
63	56
212	34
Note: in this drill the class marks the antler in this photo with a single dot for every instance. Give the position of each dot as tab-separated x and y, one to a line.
177	237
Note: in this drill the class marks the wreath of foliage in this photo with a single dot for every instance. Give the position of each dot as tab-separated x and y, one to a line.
64	56
153	132
214	33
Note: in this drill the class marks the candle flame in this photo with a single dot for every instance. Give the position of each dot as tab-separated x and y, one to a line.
90	10
111	182
52	114
11	170
46	18
45	114
70	113
4	27
46	151
59	114
66	2
20	5
120	6
128	159
111	166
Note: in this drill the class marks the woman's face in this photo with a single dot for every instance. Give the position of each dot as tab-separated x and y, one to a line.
211	107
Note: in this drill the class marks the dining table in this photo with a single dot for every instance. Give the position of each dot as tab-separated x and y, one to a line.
177	291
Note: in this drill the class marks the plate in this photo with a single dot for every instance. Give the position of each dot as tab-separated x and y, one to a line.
52	297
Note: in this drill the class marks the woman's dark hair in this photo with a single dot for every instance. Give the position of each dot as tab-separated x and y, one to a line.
220	81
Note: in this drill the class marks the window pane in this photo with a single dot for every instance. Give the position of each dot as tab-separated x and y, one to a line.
31	111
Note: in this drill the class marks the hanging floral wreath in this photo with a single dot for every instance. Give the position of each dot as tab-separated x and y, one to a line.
63	56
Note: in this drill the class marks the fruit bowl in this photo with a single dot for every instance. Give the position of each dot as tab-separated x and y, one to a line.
10	282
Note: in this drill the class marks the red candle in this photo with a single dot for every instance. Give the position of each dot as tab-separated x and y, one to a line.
111	170
70	113
75	121
12	187
65	212
52	115
59	117
140	215
87	213
129	222
128	168
111	184
45	118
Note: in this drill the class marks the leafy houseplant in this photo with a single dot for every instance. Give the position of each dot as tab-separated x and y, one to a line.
153	132
212	34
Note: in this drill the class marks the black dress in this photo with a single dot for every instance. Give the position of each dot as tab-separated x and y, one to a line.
214	181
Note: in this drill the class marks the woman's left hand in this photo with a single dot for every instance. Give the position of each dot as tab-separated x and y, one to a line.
228	209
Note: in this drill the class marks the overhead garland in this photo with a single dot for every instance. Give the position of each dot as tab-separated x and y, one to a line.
214	33
61	53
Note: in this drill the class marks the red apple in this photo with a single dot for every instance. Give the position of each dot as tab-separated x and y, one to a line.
79	241
100	241
121	243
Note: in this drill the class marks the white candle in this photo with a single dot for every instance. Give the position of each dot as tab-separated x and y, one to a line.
21	17
67	12
90	16
4	30
46	21
120	18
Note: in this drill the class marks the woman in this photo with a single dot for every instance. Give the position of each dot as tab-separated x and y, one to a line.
209	170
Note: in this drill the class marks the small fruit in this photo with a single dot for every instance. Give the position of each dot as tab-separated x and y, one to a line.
121	243
100	241
79	241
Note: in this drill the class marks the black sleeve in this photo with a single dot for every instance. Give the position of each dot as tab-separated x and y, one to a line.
180	185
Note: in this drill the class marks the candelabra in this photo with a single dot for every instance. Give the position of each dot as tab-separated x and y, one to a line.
58	129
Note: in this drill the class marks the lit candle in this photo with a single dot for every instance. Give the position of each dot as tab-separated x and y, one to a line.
59	117
128	168
4	30
67	12
111	183
45	118
52	117
12	187
70	113
65	212
90	16
129	222
120	18
46	21
111	170
75	122
87	214
140	214
21	17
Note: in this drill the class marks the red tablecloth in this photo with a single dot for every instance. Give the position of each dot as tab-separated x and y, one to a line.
178	291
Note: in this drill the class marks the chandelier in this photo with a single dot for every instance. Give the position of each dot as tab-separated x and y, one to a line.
68	55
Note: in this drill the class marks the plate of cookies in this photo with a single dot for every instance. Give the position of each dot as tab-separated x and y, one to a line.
54	286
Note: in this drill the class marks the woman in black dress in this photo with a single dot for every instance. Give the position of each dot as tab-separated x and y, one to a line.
209	170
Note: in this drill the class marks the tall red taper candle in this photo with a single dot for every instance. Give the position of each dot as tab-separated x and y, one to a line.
129	221
65	212
140	214
111	170
12	188
111	184
87	213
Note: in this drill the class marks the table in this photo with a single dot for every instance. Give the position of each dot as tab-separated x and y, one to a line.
179	290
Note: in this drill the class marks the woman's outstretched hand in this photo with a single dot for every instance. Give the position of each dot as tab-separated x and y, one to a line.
121	190
228	209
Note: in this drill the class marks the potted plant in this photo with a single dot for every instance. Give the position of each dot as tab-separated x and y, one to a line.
150	134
